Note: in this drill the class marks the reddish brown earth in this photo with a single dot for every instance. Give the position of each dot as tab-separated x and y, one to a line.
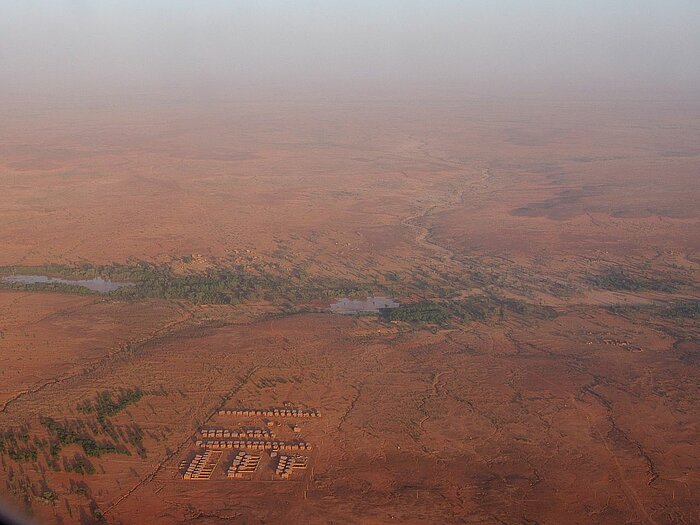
591	416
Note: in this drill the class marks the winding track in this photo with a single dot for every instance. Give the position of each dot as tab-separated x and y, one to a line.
422	233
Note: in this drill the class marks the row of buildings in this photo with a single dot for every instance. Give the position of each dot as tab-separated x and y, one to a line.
245	433
218	444
244	463
202	465
271	412
286	464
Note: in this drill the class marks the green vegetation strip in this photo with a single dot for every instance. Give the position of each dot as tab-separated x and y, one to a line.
475	308
65	436
108	404
617	279
215	286
682	309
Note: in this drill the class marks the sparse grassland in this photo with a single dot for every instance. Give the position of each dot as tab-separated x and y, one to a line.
620	279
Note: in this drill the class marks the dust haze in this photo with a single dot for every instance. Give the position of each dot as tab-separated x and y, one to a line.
379	49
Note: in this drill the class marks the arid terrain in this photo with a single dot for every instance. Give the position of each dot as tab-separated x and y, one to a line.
543	367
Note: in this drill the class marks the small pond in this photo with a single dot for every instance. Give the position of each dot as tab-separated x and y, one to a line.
96	285
368	305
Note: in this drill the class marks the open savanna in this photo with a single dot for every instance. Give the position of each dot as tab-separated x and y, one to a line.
555	248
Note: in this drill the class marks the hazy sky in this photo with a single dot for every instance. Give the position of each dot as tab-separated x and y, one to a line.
358	48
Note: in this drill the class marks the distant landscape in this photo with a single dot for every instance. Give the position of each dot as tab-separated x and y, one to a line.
539	362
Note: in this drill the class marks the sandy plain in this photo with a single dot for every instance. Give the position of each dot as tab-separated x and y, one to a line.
586	416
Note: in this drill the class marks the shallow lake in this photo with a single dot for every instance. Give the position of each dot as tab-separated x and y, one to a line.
96	285
368	305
